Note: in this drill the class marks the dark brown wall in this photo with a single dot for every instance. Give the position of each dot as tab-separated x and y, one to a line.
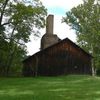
60	59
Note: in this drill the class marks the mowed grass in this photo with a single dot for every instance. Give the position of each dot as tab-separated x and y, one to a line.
50	88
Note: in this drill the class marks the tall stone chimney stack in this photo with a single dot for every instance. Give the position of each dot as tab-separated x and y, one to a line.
48	39
49	24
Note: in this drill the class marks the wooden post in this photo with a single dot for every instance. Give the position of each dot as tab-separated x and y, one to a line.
36	66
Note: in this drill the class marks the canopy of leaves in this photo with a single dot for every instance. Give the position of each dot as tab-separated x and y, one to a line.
18	20
85	19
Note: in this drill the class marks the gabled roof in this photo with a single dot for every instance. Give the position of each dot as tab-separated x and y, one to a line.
66	39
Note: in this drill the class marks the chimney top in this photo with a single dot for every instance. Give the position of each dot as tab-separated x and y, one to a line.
49	24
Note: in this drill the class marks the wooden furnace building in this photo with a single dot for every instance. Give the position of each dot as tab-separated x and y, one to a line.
57	57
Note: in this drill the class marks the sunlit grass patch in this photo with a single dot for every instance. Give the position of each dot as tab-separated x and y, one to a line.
74	87
14	92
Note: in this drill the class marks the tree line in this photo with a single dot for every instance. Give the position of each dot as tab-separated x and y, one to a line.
85	20
18	20
21	18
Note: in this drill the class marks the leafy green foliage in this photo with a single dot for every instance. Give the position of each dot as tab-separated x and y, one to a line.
18	20
85	19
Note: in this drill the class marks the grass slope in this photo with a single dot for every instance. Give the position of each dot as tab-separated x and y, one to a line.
50	88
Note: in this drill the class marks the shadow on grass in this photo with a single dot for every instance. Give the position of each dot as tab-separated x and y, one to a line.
50	88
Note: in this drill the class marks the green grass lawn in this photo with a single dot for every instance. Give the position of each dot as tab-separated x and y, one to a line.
50	88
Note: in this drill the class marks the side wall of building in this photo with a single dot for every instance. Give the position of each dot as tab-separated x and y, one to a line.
64	58
29	67
61	59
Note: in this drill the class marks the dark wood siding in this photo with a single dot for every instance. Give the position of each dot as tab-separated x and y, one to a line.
63	58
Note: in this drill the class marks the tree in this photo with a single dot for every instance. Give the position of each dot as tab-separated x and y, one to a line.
18	20
16	62
85	19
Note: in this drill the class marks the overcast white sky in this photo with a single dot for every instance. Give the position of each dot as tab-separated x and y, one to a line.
58	8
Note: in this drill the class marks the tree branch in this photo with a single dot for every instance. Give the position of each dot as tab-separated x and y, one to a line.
5	23
19	42
2	12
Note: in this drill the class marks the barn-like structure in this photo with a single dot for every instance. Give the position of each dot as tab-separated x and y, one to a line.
57	57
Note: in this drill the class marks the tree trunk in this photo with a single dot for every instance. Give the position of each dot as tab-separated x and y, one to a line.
93	62
2	12
11	52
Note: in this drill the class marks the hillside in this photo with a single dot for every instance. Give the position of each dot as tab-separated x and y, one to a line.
50	88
